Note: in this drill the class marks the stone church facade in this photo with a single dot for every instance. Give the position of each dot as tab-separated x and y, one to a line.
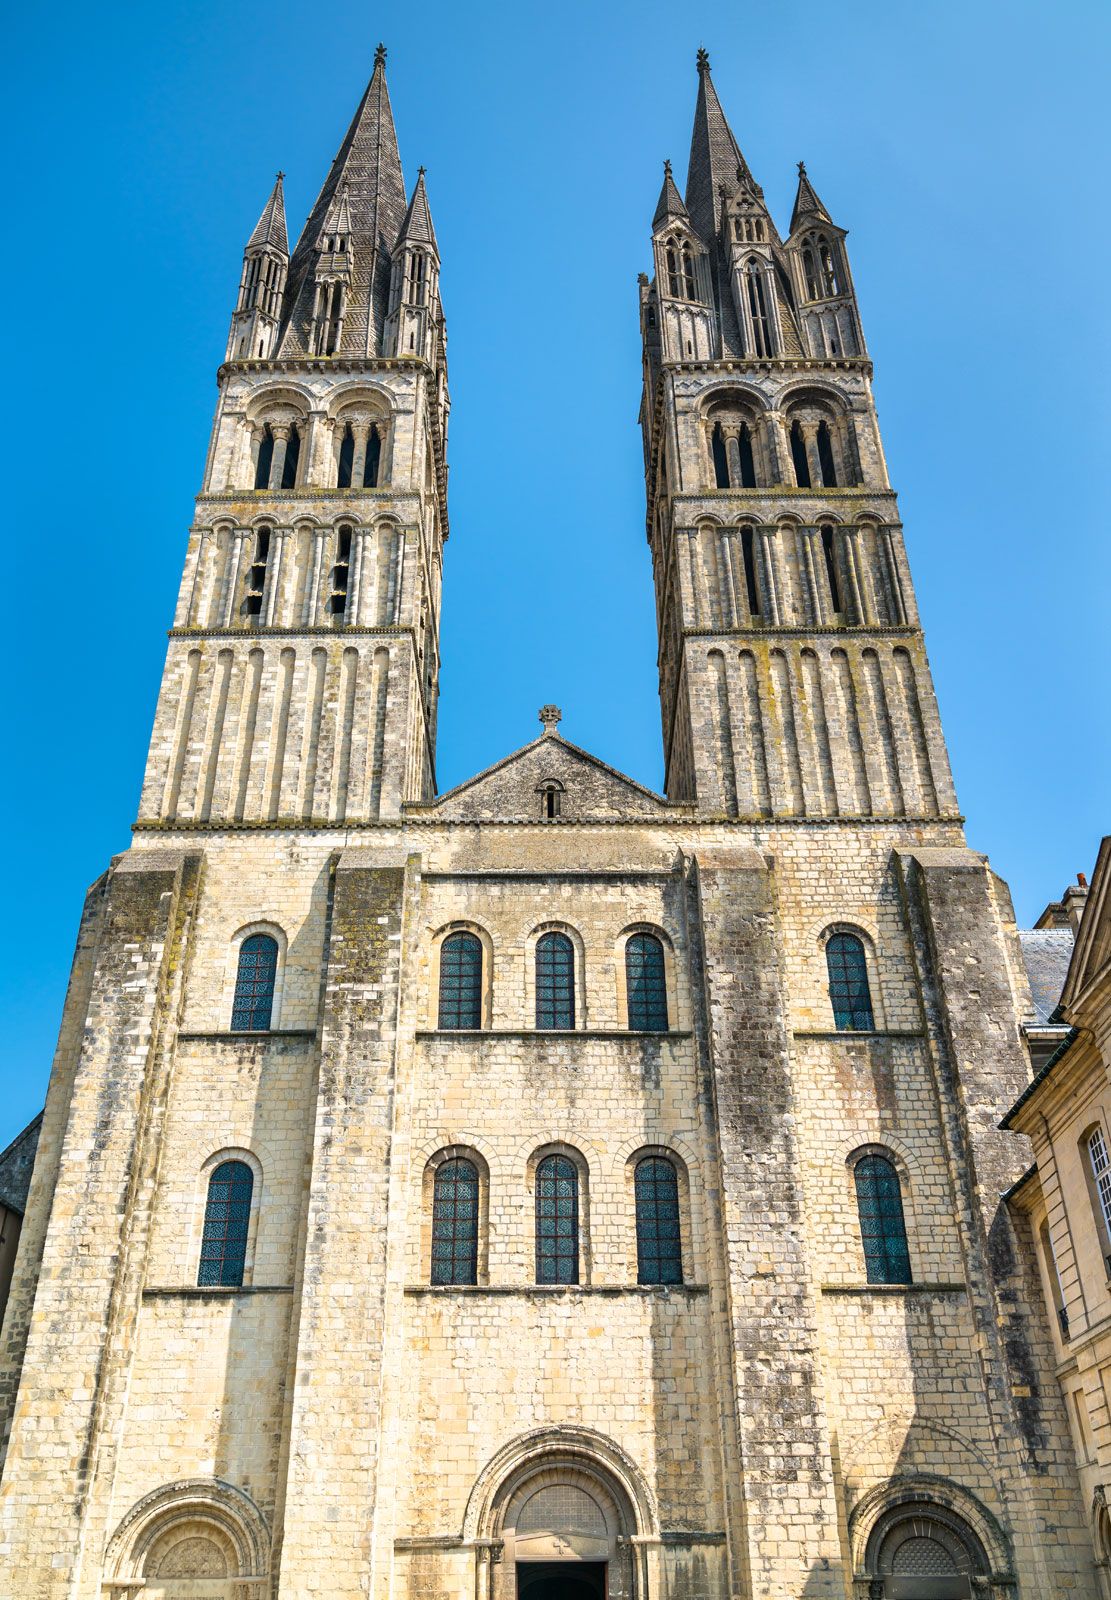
547	1187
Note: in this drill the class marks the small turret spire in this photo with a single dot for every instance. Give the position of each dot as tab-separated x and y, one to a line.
270	228
670	202
807	204
417	227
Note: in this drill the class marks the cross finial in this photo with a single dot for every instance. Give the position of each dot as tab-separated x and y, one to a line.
802	169
421	171
550	716
703	59
280	176
380	56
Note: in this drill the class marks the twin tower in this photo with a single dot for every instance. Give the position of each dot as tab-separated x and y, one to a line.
548	1189
793	680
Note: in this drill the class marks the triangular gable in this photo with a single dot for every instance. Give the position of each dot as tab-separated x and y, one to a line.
513	789
1091	958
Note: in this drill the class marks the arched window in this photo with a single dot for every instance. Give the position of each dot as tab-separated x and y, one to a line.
227	1214
829	268
455	1223
292	456
829	551
798	456
551	795
672	272
748	463
265	459
883	1230
758	309
461	981
849	993
659	1250
645	983
810	273
924	1542
341	574
555	981
256	573
416	279
373	459
254	984
688	273
752	585
721	461
557	1221
825	456
346	459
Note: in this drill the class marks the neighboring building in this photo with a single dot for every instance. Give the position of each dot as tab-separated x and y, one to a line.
16	1163
547	1188
1065	1198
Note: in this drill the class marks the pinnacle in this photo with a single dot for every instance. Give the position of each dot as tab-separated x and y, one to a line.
270	228
807	203
670	202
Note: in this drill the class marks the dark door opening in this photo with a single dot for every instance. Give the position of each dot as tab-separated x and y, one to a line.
561	1580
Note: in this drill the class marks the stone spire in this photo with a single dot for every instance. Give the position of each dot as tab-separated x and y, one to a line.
270	228
417	227
670	202
807	205
368	166
716	164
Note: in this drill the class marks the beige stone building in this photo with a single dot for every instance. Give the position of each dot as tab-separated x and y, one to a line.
546	1188
1064	1200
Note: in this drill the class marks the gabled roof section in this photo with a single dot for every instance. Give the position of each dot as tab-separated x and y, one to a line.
716	162
1046	953
417	227
808	208
17	1163
512	789
670	207
270	228
1091	958
369	166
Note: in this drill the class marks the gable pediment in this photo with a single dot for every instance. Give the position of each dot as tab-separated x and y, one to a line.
516	790
1091	960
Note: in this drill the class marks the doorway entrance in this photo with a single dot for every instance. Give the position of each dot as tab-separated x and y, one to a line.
561	1580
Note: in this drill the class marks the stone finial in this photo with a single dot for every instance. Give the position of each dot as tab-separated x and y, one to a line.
667	169
703	59
380	56
802	169
550	716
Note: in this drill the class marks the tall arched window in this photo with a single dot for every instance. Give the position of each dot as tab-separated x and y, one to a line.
748	462
373	460
346	459
883	1230
829	268
721	460
557	1221
752	583
461	981
292	457
810	273
645	983
227	1214
849	992
672	272
829	552
758	309
256	573
659	1250
254	983
455	1222
265	459
555	981
688	273
825	456
799	457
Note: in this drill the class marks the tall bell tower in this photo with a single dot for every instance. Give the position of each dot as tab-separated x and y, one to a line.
302	675
793	676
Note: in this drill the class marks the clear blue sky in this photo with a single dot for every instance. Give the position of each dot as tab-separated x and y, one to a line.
963	145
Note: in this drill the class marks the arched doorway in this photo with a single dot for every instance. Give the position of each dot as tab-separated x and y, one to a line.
922	1551
561	1580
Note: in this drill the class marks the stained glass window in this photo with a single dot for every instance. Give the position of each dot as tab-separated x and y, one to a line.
849	993
555	981
254	983
227	1213
557	1221
455	1223
644	980
882	1227
659	1252
461	981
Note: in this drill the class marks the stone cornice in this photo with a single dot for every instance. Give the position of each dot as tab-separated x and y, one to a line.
665	820
774	364
347	631
329	364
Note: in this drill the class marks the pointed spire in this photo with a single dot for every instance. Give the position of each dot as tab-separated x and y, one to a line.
369	166
716	163
417	227
270	228
671	203
807	204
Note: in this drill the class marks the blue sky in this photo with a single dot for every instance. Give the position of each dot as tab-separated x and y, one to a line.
963	146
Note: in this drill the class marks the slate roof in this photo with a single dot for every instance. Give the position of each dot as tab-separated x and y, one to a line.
417	226
670	202
17	1163
1046	953
807	205
369	166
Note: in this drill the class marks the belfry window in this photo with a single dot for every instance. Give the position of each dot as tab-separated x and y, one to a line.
721	461
227	1216
555	981
829	268
255	978
341	574
688	273
646	984
825	456
328	317
672	261
461	981
829	551
798	456
752	586
883	1230
659	1250
359	462
810	273
849	992
557	1221
416	279
455	1223
256	574
265	459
